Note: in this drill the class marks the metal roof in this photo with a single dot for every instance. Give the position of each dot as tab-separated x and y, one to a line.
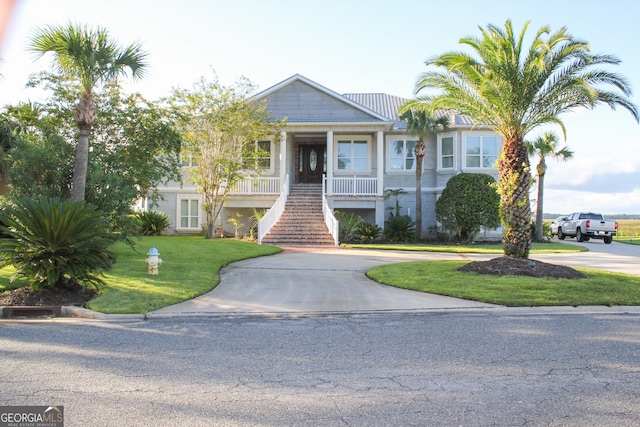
383	104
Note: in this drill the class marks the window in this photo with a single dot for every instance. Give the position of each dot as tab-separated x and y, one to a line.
446	152
402	155
189	213
187	160
481	151
353	154
260	159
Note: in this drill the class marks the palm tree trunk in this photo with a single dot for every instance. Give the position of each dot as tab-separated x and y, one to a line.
419	152
80	167
539	211
513	185
85	115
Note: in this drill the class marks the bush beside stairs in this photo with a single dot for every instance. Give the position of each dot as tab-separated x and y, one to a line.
301	222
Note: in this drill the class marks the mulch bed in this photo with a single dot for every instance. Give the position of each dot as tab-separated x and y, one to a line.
51	296
506	266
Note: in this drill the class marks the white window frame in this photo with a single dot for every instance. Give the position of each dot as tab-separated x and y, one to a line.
188	162
352	139
482	136
189	198
442	136
256	167
404	139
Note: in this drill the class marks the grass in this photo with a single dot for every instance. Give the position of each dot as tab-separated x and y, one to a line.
629	228
478	248
441	277
190	268
630	241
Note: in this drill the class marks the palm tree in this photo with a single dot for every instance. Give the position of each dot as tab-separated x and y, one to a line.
421	124
89	56
513	91
545	146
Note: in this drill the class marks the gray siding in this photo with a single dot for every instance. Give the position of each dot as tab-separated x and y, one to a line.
302	103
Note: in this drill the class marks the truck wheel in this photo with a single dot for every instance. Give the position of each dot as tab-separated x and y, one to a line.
579	235
608	239
561	235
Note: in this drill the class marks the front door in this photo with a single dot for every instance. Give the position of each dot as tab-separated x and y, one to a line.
312	160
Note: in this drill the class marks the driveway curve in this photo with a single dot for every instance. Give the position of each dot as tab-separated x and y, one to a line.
332	280
315	280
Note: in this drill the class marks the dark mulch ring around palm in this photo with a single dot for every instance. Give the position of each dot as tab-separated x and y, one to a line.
75	295
506	266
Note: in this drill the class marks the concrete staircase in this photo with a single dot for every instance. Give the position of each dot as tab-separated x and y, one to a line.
302	222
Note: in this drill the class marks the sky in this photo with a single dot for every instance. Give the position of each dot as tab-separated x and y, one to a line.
352	46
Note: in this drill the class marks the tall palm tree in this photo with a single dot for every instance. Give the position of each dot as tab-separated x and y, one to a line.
90	56
421	125
514	90
545	146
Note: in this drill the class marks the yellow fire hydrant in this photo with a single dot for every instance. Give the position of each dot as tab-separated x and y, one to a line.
153	261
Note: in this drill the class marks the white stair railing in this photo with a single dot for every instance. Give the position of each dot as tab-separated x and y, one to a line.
273	214
329	218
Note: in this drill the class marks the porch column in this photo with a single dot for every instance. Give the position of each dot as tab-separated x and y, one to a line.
283	157
380	162
329	162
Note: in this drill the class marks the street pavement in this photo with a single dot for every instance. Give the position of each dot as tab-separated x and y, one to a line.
391	369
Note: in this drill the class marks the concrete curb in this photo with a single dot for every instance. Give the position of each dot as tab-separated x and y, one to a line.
71	312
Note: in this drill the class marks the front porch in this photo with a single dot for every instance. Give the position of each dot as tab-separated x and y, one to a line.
335	186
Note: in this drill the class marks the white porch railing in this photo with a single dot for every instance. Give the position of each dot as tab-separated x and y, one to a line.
257	185
354	186
273	214
329	218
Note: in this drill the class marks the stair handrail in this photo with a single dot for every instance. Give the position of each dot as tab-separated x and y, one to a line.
329	218
273	214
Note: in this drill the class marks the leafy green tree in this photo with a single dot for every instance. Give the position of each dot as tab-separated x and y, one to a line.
135	147
220	127
55	243
543	147
421	125
92	58
468	202
514	90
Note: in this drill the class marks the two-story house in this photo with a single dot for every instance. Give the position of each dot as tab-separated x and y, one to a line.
343	152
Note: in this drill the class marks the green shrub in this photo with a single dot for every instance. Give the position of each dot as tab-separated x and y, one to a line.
399	228
152	223
349	223
367	232
468	202
55	242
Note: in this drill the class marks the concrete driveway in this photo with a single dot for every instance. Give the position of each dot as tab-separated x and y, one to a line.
332	280
315	280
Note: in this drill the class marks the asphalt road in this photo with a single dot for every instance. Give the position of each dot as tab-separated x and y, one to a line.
359	370
618	257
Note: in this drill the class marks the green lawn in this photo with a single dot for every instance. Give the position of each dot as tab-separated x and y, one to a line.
479	248
441	277
190	268
629	241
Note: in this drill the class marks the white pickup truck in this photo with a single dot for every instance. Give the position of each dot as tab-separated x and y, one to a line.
584	226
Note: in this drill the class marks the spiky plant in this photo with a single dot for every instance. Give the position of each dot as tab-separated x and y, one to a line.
152	223
55	243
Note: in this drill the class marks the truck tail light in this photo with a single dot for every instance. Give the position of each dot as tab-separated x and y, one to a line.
616	225
588	224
